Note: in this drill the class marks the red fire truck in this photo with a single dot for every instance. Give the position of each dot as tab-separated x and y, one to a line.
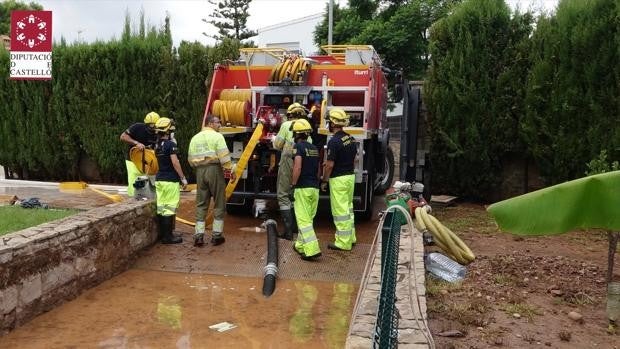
260	86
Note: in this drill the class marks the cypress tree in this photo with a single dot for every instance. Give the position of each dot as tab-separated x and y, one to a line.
474	92
573	90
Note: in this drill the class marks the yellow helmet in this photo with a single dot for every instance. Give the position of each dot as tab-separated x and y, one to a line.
302	126
339	117
296	110
164	125
151	118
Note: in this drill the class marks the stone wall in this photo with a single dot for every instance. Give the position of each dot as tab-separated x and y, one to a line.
44	266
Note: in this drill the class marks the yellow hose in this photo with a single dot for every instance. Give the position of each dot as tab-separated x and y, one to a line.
290	67
231	106
445	238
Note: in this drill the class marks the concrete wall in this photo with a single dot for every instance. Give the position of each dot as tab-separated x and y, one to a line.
44	266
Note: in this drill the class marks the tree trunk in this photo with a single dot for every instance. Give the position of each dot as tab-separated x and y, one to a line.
613	245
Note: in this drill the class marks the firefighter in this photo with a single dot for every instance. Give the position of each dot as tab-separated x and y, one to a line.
139	135
284	142
167	180
305	186
338	172
209	155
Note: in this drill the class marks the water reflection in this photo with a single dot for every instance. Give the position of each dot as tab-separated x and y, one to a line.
153	309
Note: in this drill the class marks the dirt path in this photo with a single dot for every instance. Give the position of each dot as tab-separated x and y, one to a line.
519	291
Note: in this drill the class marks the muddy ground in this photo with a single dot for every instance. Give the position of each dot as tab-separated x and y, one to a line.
519	291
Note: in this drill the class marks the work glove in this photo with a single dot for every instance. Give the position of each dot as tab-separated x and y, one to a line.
324	186
184	183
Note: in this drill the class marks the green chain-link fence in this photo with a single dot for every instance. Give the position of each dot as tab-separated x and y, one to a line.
386	327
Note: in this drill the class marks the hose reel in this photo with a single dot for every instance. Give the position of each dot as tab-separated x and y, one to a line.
233	107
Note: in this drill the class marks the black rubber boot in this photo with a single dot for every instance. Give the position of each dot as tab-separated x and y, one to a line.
174	226
199	240
217	240
160	227
287	220
168	238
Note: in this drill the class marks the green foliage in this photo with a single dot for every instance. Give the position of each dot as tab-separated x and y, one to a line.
397	30
230	17
474	91
14	218
7	6
600	164
47	128
573	88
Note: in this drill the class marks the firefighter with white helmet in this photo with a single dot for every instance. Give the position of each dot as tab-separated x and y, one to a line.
338	172
284	142
209	155
305	185
140	136
167	180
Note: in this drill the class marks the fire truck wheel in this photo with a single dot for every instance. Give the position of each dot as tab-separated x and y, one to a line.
384	180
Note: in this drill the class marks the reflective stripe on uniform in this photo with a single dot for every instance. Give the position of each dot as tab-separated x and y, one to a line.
206	147
218	226
342	218
199	229
342	233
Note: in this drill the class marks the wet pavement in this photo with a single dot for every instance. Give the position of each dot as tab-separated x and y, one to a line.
174	293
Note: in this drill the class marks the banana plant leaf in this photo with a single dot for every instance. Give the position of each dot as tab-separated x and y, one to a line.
589	202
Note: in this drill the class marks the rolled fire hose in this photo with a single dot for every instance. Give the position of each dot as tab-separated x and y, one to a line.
145	160
271	269
445	238
232	105
292	67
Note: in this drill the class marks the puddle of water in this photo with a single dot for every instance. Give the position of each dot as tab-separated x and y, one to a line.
154	309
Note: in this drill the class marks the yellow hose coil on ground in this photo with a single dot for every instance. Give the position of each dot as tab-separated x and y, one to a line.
445	238
230	108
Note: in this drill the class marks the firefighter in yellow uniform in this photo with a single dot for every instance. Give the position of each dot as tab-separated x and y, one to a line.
209	156
305	183
140	136
284	142
338	171
167	180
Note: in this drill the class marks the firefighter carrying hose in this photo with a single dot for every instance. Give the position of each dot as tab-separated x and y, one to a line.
305	186
338	171
209	155
284	142
167	180
139	135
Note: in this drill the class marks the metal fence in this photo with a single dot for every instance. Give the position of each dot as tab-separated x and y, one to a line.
386	327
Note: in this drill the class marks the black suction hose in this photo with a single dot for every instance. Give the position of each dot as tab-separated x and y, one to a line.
271	269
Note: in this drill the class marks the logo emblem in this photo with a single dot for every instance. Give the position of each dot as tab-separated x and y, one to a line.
31	31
